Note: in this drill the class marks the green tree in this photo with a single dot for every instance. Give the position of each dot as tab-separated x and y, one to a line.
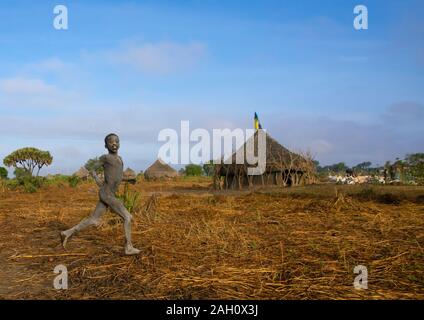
93	164
336	168
415	164
3	173
318	168
28	159
363	168
390	170
415	159
363	165
193	170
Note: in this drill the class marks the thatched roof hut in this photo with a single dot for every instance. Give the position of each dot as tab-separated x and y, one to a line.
82	173
283	167
159	169
129	175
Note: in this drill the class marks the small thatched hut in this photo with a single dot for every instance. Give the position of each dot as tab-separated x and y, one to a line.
129	175
159	169
82	173
283	168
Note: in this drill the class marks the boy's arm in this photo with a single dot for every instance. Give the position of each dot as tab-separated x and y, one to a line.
99	164
99	182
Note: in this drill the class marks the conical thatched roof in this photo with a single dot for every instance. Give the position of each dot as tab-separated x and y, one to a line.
282	167
277	157
129	175
160	169
82	173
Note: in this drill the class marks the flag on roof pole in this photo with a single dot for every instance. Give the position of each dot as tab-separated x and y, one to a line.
257	124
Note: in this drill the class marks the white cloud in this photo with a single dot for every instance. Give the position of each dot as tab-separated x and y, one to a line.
31	92
162	57
25	86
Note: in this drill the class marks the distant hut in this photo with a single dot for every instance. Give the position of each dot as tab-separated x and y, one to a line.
82	173
130	176
159	169
283	168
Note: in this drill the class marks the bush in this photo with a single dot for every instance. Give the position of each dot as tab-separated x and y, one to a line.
368	194
73	181
130	199
21	174
389	198
3	173
32	184
420	199
27	181
12	184
193	170
29	186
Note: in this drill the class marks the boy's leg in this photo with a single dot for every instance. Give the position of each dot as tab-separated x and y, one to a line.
120	209
92	219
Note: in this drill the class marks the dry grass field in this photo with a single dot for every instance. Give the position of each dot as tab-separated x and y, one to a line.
295	243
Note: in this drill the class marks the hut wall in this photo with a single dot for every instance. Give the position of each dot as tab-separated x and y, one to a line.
279	178
236	178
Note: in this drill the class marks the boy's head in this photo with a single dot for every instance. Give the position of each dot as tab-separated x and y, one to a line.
112	142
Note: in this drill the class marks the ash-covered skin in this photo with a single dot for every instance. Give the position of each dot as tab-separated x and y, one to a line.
113	170
112	164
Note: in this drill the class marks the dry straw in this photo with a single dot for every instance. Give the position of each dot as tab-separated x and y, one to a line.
298	243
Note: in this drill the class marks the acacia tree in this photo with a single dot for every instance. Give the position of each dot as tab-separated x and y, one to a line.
28	159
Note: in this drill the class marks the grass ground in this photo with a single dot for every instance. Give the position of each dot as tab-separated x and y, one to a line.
294	243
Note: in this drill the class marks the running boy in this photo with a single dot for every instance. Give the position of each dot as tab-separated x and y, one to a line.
113	170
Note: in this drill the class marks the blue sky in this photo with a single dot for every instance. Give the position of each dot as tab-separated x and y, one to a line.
136	67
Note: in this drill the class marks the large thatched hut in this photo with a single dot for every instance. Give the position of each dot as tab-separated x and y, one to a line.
160	170
283	167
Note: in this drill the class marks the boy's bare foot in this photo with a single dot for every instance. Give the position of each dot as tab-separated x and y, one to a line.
129	251
64	238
